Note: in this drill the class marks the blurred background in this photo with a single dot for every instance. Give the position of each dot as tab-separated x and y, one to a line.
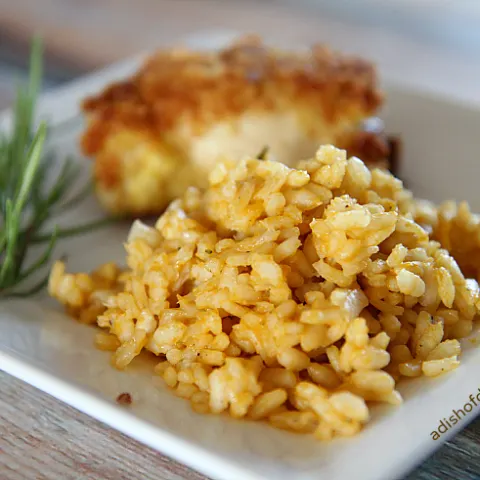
432	43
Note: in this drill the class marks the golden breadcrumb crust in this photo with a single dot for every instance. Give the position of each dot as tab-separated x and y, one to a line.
206	87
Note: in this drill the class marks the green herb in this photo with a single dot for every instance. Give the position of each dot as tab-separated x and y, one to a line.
27	198
263	153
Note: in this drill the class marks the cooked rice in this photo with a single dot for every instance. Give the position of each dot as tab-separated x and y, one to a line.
295	296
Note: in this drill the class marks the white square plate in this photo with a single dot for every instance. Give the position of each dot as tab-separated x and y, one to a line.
43	347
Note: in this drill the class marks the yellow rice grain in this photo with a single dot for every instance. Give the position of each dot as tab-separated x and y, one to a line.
293	295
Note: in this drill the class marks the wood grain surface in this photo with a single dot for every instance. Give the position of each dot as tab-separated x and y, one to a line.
43	439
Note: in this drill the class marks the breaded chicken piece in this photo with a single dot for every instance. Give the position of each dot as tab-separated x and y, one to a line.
164	129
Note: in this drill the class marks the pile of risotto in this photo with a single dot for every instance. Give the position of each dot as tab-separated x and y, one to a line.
295	296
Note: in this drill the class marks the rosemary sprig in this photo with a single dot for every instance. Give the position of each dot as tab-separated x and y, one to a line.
28	198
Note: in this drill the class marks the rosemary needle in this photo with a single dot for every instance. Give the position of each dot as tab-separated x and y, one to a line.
262	155
28	199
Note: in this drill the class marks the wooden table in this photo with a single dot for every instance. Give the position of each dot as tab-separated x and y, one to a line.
41	438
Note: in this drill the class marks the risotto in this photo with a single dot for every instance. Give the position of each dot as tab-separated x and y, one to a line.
296	296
